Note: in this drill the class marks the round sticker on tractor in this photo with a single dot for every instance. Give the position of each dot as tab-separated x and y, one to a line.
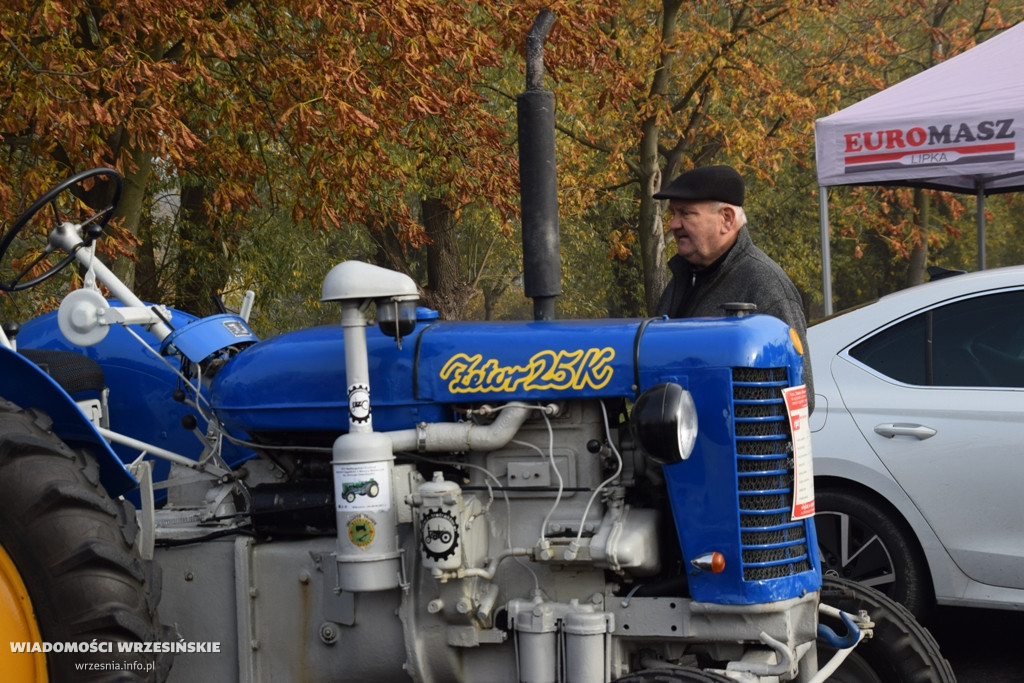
359	402
440	534
361	531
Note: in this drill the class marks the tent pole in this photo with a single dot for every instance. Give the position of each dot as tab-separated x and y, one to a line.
826	250
980	185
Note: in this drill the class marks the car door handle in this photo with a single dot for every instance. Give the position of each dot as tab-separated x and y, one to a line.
904	429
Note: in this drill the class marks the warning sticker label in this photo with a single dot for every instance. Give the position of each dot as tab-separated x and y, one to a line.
803	468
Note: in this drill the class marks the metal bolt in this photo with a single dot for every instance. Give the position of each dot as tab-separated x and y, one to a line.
328	634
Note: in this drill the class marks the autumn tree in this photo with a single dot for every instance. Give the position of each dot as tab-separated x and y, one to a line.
742	83
343	114
686	84
263	141
884	238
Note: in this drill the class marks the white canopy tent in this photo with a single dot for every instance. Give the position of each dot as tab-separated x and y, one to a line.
959	126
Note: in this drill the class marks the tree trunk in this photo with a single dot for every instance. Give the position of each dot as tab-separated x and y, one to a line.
492	294
203	265
918	266
627	299
446	291
130	209
652	242
147	280
651	230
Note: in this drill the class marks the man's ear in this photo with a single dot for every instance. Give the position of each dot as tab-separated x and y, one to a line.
729	222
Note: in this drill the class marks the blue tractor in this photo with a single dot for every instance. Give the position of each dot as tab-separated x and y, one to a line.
402	498
574	500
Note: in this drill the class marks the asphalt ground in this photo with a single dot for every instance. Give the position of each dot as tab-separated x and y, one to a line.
983	646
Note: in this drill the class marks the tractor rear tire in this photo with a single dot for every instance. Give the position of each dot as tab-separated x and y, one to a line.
900	650
71	561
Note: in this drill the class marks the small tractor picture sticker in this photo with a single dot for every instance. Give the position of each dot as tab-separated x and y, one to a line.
360	488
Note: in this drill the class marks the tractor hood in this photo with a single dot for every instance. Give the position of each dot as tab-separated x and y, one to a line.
296	381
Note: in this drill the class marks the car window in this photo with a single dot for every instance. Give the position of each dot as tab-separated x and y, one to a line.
970	342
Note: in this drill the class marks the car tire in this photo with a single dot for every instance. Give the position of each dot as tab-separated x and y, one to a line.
862	539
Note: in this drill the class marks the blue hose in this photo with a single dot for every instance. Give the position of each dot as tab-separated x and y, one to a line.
840	643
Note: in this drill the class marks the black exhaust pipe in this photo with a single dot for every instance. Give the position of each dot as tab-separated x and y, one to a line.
538	181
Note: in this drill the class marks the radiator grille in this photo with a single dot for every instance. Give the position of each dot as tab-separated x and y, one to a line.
772	544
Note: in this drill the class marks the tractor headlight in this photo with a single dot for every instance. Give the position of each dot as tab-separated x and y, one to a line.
665	421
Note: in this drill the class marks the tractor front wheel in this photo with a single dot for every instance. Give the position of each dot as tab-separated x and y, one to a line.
75	595
900	651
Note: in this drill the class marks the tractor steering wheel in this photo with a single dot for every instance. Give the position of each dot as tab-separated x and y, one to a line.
32	257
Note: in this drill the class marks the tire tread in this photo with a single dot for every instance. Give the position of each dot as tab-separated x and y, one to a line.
76	549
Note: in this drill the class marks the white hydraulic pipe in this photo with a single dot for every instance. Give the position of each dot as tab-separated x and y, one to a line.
864	630
838	658
461	436
486	572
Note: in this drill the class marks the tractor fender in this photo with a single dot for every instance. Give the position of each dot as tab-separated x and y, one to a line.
27	385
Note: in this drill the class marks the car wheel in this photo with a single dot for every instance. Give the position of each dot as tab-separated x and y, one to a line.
862	540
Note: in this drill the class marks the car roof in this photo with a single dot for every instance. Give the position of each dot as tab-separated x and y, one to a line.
856	322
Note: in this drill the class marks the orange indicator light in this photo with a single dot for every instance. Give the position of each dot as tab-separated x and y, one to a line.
713	562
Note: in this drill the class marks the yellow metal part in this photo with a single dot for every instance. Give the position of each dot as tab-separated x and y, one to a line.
18	625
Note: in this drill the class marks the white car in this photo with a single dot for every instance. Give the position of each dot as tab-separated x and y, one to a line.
918	441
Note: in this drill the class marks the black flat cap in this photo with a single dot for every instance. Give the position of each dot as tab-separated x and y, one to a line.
718	183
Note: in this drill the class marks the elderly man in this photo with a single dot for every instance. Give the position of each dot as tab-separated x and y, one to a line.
717	262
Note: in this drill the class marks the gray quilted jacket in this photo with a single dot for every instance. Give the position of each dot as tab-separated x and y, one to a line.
746	274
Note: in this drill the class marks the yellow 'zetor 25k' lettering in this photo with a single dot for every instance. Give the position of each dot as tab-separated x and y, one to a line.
544	371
